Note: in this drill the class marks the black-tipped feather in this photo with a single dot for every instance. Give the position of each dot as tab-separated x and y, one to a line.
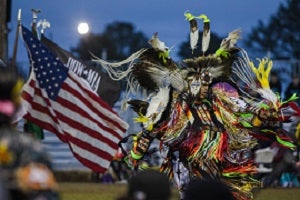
149	66
139	106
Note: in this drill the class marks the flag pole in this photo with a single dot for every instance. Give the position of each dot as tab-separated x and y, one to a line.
14	58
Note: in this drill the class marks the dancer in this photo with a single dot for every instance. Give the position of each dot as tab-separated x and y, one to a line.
200	111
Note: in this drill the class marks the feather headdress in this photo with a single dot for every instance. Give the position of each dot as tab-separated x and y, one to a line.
255	78
194	32
150	68
219	64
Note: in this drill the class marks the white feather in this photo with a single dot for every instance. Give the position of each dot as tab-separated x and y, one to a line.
205	41
268	94
157	105
157	44
231	39
194	37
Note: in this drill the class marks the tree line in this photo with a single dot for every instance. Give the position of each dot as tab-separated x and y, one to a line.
279	37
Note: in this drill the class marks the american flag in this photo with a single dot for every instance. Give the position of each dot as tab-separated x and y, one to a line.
58	100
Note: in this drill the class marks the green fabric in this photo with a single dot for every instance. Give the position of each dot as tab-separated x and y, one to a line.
34	129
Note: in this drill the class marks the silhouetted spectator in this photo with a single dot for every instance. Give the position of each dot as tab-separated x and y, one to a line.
207	189
3	190
293	87
276	87
148	185
275	84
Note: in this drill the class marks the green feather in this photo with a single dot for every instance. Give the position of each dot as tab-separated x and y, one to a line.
285	143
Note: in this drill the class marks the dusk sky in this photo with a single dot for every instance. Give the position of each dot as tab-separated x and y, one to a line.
149	16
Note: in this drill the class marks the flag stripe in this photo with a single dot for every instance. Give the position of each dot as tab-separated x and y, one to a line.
83	147
40	104
68	126
77	114
84	133
84	108
89	162
101	106
42	123
39	113
75	144
37	106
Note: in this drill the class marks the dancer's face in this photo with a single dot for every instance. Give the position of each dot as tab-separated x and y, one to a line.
198	84
195	86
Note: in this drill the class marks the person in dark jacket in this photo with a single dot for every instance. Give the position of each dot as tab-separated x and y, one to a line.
148	184
275	84
208	189
25	166
293	88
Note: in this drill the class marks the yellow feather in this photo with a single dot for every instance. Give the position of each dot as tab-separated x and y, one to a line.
262	71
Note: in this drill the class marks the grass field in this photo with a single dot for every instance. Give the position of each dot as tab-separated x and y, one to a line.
98	191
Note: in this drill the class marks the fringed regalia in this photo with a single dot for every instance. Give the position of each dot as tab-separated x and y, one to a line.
209	112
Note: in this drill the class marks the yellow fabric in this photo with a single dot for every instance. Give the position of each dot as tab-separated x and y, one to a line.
297	134
6	156
16	91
